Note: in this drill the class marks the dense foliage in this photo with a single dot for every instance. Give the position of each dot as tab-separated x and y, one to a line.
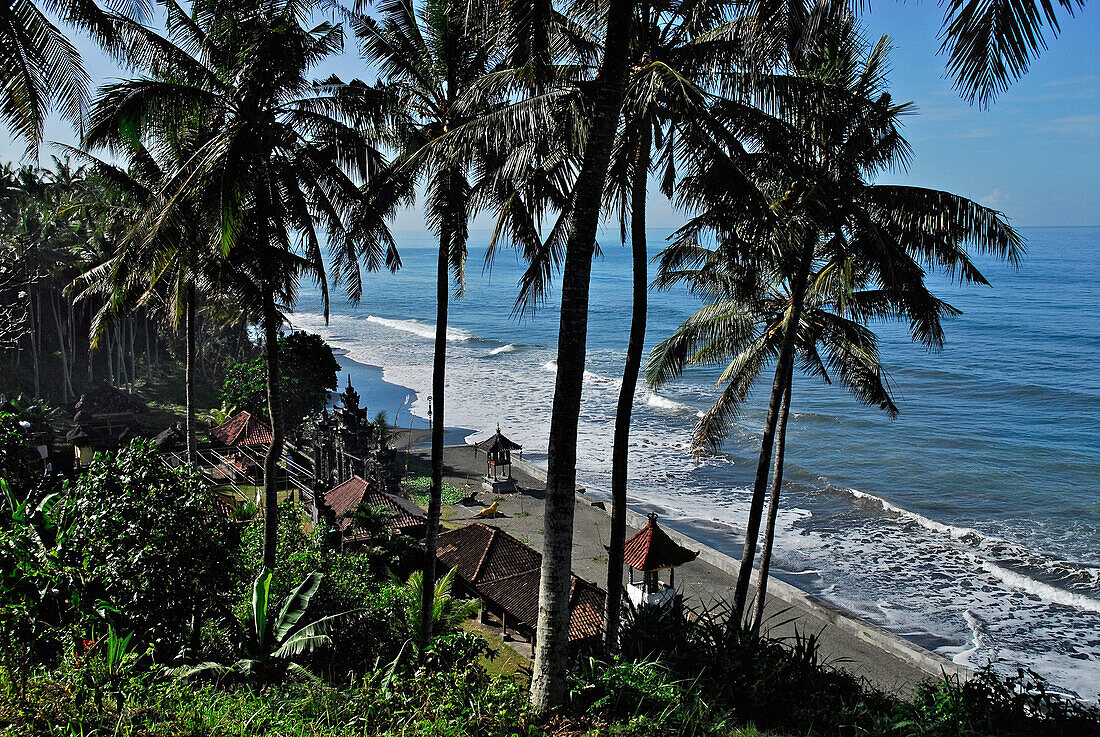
308	371
17	464
147	538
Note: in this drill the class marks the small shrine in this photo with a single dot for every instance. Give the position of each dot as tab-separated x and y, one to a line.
498	462
651	551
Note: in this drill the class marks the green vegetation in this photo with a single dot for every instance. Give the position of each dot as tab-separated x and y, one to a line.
127	608
308	371
417	488
146	547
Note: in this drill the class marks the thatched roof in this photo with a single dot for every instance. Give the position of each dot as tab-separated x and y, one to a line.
107	400
173	438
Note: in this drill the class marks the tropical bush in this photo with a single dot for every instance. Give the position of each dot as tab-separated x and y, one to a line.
353	580
269	645
17	465
782	685
308	370
37	592
147	544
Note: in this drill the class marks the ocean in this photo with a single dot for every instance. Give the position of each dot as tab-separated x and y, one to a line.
970	524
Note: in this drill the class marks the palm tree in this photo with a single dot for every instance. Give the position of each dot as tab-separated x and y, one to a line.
40	68
434	62
277	161
604	98
784	187
991	45
143	272
676	52
747	332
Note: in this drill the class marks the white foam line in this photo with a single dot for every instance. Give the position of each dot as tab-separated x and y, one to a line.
988	544
503	349
422	329
977	641
655	400
1046	592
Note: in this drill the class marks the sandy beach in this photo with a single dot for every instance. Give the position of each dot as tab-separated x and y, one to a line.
886	660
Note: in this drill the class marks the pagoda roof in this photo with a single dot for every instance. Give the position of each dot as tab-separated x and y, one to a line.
242	429
497	442
651	549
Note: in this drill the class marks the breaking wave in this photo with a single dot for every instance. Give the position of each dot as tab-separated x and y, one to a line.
422	329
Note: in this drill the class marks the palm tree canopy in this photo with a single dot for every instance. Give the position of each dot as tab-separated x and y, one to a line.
787	175
273	161
41	69
991	43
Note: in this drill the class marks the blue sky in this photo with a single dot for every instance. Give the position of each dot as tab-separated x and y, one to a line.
1034	155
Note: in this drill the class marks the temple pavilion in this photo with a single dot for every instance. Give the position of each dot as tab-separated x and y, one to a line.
498	462
651	551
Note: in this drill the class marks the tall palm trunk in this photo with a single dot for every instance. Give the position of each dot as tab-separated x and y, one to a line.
548	680
773	504
275	449
760	488
148	352
35	344
133	355
435	492
621	447
66	384
189	309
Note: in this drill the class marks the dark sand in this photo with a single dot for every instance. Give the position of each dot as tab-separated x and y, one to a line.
850	645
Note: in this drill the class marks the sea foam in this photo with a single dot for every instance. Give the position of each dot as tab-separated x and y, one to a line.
422	329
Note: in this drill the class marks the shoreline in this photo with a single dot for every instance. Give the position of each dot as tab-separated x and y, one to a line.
931	662
886	659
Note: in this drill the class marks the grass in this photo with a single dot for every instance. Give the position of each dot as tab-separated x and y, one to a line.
416	488
164	394
505	661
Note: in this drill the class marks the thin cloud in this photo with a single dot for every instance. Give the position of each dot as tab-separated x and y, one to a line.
1074	125
998	198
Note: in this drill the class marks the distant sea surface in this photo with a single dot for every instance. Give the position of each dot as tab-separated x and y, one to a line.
970	524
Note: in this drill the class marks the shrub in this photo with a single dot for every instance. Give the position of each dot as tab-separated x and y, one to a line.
147	543
353	581
783	686
17	464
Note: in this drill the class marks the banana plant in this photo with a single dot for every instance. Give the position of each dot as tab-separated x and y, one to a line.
218	415
270	644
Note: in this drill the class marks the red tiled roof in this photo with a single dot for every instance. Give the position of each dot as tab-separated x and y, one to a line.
651	549
587	602
506	572
355	492
242	429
